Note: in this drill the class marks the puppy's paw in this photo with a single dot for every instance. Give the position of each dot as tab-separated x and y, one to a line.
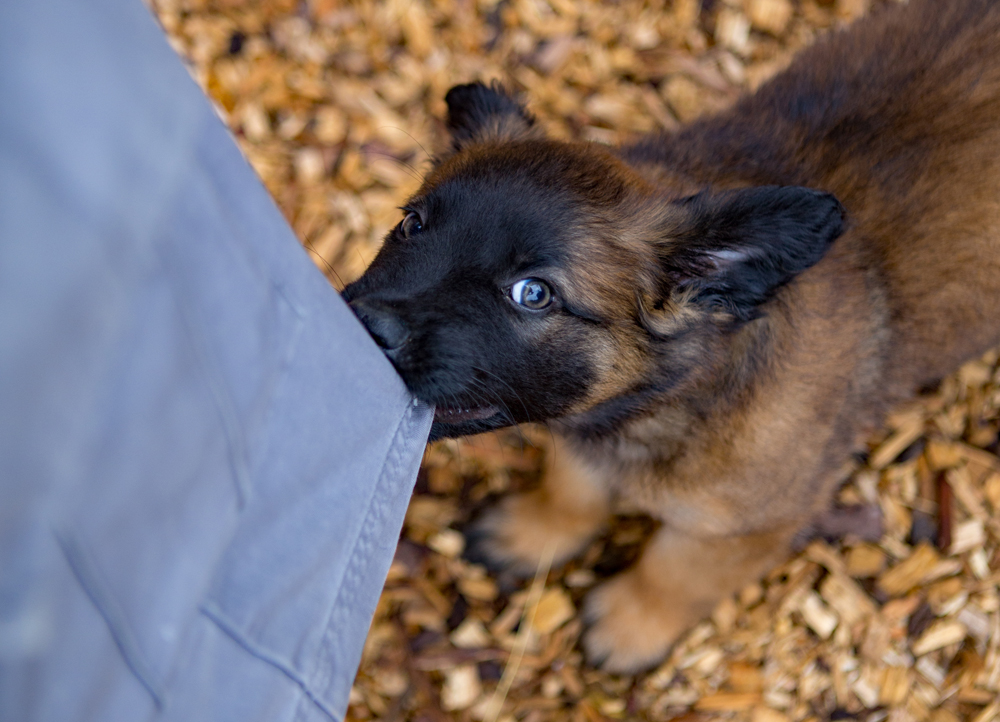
632	624
516	533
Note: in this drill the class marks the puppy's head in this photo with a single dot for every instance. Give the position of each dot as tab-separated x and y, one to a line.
532	279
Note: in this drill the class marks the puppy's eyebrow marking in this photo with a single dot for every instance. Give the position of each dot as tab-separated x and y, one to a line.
564	284
582	313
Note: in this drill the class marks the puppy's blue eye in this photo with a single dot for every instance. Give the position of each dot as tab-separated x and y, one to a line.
531	293
411	225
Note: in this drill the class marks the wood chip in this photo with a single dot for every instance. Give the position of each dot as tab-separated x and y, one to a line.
732	30
470	634
967	535
766	714
745	677
896	443
866	690
910	572
992	491
945	512
847	598
865	560
966	492
447	542
976	622
931	671
895	685
938	635
483	589
989	714
943	714
770	15
820	618
979	564
580	578
461	687
727	701
554	609
942	454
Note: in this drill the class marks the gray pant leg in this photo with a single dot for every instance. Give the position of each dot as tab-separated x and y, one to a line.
204	460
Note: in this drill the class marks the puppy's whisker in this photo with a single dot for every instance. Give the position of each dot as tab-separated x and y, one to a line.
510	415
308	245
506	409
410	136
456	444
517	396
478	384
411	171
491	394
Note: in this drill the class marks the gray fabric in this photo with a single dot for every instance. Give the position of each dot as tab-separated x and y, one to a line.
204	460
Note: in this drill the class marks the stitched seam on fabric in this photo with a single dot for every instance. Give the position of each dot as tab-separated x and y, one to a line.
89	579
323	675
220	620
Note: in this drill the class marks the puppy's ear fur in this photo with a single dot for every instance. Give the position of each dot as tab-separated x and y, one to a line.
478	113
731	251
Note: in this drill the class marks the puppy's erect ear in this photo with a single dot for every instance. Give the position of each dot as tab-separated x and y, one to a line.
478	113
735	249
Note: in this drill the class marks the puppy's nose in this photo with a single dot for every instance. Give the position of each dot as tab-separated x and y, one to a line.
384	326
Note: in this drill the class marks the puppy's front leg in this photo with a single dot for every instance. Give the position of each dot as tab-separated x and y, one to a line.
637	615
560	517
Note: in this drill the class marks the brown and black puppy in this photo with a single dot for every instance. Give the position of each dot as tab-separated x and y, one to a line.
709	321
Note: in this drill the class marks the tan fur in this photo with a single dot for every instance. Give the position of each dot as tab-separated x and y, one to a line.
557	519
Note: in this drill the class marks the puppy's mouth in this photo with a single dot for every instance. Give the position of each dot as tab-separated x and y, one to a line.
455	415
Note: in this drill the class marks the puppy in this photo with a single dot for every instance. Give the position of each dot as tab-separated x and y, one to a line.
709	321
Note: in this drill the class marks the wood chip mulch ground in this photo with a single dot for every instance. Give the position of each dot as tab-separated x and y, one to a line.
337	105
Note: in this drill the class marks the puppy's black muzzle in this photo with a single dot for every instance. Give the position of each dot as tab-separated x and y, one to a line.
382	323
